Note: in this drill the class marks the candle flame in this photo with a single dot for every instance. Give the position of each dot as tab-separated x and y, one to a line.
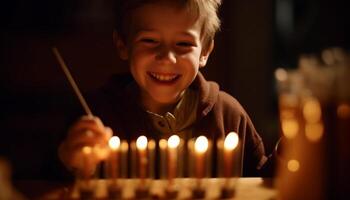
124	146
314	132
162	143
293	165
201	144
312	111
290	127
141	142
231	141
151	144
281	74
87	150
114	142
173	141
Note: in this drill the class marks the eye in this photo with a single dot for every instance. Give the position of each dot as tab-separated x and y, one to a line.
149	41
185	44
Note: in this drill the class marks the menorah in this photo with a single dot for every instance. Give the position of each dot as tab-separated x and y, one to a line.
166	160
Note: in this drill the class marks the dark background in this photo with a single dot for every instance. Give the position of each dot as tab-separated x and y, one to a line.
256	38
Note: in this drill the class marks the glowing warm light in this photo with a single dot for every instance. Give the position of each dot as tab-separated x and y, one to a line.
100	151
114	142
162	143
314	132
231	141
87	150
190	144
312	111
290	127
173	141
152	144
201	144
124	146
289	101
287	114
281	74
293	165
220	143
141	142
343	111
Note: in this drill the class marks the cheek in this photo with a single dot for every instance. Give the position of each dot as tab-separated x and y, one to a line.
136	59
139	54
191	60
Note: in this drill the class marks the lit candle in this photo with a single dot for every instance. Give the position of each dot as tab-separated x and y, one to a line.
124	147
200	147
141	145
162	148
230	143
113	169
151	158
86	188
173	143
87	162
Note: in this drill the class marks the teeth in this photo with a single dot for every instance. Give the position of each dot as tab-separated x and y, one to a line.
162	77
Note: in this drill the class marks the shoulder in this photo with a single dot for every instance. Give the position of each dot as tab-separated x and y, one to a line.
229	106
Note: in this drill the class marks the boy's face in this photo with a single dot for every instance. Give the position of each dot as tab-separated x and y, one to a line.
165	51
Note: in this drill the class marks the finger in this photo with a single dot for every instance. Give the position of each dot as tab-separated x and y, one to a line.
87	128
89	138
89	124
83	139
97	120
109	133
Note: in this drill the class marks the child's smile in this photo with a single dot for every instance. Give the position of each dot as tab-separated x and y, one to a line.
164	78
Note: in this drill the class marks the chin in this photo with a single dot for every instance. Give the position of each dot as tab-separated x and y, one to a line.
165	99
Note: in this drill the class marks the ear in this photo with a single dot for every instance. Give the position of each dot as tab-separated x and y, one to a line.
121	46
205	54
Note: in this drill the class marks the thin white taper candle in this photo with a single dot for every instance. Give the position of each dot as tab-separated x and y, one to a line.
71	81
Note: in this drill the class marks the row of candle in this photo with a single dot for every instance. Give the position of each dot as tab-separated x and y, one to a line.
142	153
171	156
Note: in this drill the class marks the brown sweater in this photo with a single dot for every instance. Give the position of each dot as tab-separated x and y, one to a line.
218	114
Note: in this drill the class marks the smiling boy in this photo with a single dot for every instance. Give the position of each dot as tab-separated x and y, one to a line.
165	43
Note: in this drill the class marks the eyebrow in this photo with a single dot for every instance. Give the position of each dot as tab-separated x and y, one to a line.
188	33
144	30
141	31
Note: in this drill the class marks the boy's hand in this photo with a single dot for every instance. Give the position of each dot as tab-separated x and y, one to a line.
87	131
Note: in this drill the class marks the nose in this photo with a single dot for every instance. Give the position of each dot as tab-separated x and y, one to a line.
166	55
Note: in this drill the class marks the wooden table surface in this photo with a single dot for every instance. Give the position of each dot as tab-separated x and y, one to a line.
246	188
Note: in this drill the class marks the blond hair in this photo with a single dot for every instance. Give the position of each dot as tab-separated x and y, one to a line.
206	11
